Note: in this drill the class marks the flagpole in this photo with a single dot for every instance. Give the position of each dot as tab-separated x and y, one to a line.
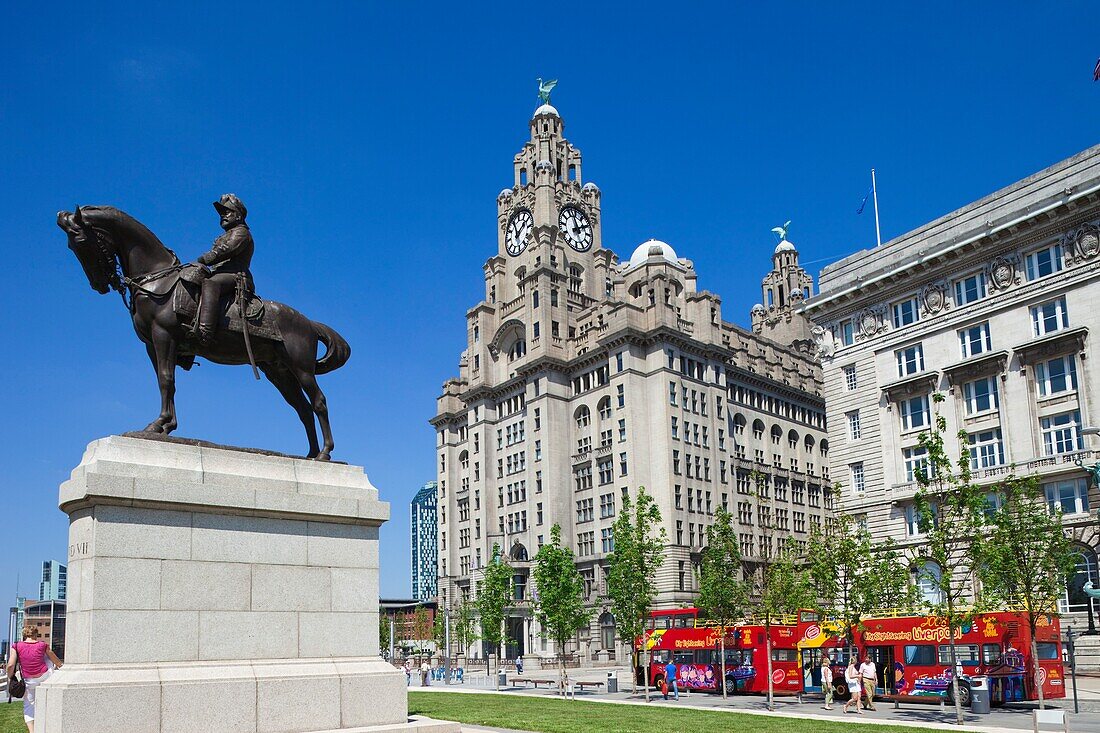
874	193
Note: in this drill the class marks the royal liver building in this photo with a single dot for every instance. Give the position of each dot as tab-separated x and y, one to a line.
586	377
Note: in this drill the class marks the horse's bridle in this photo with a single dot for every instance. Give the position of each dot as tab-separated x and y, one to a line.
117	280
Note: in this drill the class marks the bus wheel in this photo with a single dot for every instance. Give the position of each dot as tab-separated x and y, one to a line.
964	694
731	687
658	680
840	690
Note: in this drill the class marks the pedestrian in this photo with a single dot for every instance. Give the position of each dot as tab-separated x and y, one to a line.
869	672
827	680
408	674
851	678
519	664
670	680
424	670
32	655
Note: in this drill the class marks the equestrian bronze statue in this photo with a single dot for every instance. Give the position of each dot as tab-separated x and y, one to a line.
207	309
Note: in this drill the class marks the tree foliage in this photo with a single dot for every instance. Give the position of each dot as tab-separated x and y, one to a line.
421	625
384	634
723	595
950	513
559	596
632	568
463	626
494	594
1026	558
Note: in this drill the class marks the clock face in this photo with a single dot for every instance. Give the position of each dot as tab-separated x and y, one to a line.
519	231
576	228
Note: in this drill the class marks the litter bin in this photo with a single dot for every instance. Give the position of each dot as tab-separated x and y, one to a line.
979	695
502	678
612	682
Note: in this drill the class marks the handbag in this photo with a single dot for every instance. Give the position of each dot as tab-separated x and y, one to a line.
17	687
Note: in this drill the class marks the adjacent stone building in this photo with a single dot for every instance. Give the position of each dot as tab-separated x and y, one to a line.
424	538
585	377
991	305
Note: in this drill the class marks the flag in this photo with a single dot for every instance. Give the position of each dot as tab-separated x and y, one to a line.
1096	71
863	202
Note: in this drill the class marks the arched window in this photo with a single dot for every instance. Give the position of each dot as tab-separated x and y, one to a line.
739	424
519	552
792	439
575	278
464	460
607	631
1075	599
758	429
605	408
583	417
777	434
928	576
518	349
824	449
809	444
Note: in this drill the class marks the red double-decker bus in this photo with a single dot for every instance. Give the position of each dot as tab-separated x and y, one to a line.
913	654
694	647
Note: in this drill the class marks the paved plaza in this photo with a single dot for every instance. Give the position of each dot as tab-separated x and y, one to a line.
1009	718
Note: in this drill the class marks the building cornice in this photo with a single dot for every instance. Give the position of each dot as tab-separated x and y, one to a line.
922	383
985	365
1056	344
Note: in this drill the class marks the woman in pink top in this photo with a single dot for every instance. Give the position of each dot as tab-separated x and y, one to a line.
31	655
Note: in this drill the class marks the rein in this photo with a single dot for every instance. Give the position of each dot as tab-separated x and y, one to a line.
118	281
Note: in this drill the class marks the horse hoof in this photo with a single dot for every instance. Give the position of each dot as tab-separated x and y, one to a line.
153	427
323	456
169	428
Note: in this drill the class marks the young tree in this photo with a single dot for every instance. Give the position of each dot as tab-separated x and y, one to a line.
950	512
722	594
1026	558
494	594
778	585
463	626
421	626
631	572
439	637
559	597
852	576
384	634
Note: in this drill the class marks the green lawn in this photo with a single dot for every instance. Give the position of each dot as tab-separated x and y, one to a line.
11	717
546	715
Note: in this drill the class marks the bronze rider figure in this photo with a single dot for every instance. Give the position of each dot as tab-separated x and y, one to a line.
230	255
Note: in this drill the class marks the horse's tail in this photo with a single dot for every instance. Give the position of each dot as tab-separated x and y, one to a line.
337	351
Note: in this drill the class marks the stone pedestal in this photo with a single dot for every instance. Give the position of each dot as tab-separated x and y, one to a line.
213	589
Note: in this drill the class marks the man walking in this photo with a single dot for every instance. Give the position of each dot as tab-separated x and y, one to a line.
869	673
670	680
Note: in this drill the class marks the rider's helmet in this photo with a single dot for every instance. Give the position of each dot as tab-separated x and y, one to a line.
230	202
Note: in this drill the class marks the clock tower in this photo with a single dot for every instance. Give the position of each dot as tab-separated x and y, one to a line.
549	220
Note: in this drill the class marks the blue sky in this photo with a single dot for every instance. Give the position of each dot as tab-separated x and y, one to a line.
369	142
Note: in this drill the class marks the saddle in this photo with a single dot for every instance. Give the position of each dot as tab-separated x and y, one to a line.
185	304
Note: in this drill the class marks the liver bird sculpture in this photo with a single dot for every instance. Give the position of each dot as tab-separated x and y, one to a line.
545	87
782	231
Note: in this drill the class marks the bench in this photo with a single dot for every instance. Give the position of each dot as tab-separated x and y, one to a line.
583	685
532	681
917	699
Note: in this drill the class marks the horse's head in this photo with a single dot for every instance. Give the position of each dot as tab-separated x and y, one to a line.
94	250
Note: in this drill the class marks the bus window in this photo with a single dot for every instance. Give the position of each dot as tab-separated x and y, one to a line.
683	621
922	654
706	656
666	622
991	653
1048	650
967	654
683	658
784	655
662	656
807	617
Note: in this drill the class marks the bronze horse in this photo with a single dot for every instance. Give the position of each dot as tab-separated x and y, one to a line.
119	253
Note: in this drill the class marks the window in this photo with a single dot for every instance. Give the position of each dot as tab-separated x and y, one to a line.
583	417
928	586
920	654
621	392
675	429
1070	497
605	408
672	393
605	470
1049	317
607	505
848	332
584	511
910	360
1061	433
854	431
538	450
850	381
980	395
986	449
622	464
1055	376
856	470
969	289
1043	262
912	520
607	540
622	431
914	412
974	340
619	361
906	312
916	463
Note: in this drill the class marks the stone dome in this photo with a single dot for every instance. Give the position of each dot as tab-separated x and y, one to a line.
758	308
784	246
504	193
650	248
590	186
546	109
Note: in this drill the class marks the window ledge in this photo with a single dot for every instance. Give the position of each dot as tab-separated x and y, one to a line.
1056	344
983	365
920	383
